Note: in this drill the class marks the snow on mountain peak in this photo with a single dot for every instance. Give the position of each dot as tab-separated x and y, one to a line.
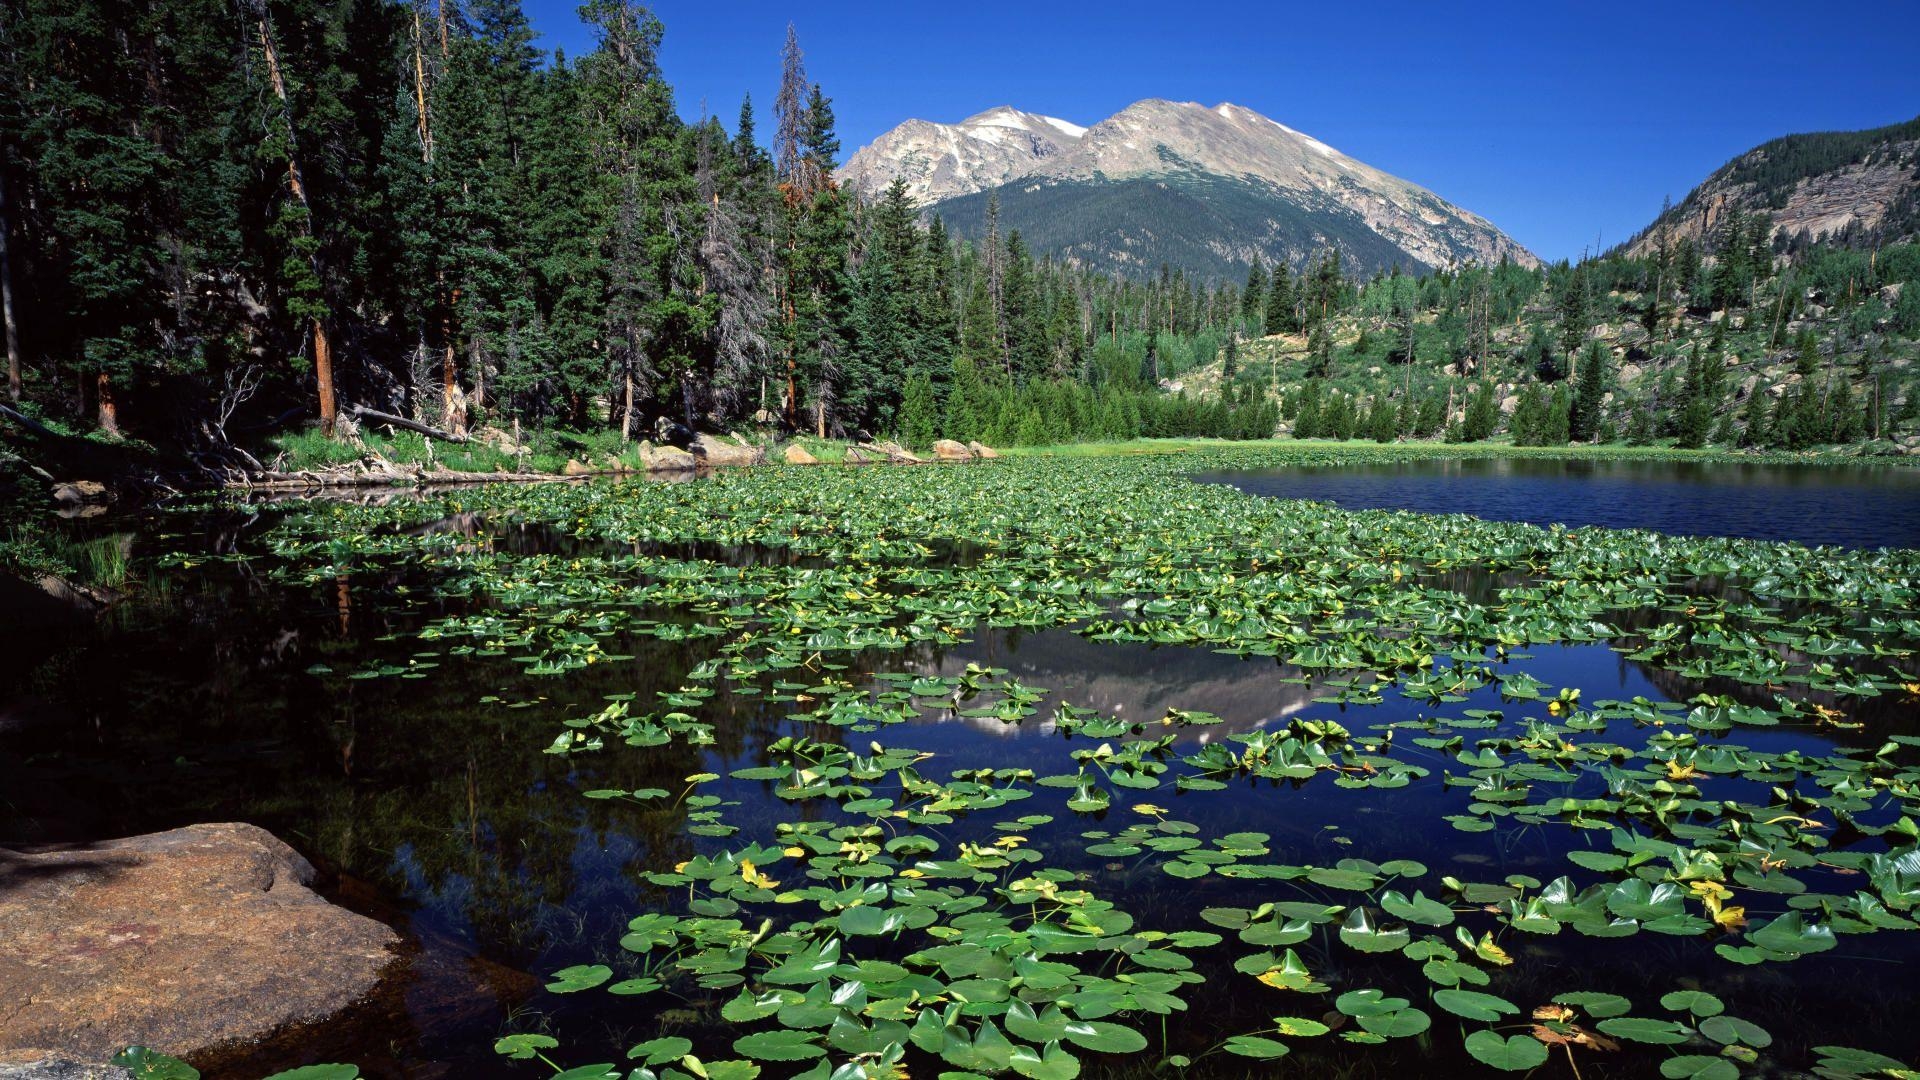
1157	140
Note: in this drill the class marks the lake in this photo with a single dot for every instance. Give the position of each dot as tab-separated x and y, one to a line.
1106	682
1853	506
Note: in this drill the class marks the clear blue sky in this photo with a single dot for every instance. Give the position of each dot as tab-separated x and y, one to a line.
1563	123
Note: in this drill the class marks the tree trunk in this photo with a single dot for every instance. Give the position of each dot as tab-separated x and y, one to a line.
14	385
453	409
420	92
626	408
109	408
323	378
477	364
322	348
364	413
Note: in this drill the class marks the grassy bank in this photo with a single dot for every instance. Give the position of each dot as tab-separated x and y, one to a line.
1369	448
549	451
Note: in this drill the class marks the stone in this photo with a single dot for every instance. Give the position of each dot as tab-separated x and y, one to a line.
716	451
857	456
795	454
75	492
182	941
894	453
499	439
62	1069
666	459
983	451
576	468
949	450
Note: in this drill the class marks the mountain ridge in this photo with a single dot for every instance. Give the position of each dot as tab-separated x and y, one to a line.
1840	186
1266	189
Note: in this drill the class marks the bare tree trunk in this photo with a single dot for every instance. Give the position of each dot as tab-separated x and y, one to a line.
477	364
322	348
109	408
14	385
361	412
626	409
420	91
453	412
323	378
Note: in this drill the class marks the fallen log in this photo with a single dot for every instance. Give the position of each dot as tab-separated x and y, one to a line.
361	412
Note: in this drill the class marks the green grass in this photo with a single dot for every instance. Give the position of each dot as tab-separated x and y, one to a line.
549	451
546	451
1433	449
823	449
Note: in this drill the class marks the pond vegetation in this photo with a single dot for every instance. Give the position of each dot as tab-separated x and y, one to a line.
853	842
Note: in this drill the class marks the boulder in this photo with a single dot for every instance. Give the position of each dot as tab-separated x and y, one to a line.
576	468
982	450
666	459
894	453
61	1069
948	450
795	454
76	492
180	940
716	451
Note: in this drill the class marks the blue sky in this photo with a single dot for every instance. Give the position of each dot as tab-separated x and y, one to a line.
1564	123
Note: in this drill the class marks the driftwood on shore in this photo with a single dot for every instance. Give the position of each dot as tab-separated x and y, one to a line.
309	479
361	412
665	464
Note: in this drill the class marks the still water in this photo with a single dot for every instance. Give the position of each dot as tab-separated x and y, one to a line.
427	803
1849	506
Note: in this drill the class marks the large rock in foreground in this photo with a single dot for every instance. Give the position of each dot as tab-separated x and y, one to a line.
949	450
179	940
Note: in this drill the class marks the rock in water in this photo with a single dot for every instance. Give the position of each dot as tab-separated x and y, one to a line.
713	451
948	450
982	450
179	940
797	455
666	459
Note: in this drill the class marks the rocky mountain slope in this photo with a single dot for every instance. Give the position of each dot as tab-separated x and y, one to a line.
1845	186
1202	189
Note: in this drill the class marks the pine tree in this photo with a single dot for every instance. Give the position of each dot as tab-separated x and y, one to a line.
1382	423
1280	318
1575	306
1594	381
919	420
1254	297
1759	427
1483	414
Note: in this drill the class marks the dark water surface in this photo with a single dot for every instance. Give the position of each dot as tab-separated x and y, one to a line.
1850	506
426	800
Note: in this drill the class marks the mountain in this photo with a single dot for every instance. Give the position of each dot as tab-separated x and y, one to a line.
1860	187
939	161
1177	183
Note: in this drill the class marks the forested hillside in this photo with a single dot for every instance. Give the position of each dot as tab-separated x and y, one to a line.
1855	188
228	223
1740	346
